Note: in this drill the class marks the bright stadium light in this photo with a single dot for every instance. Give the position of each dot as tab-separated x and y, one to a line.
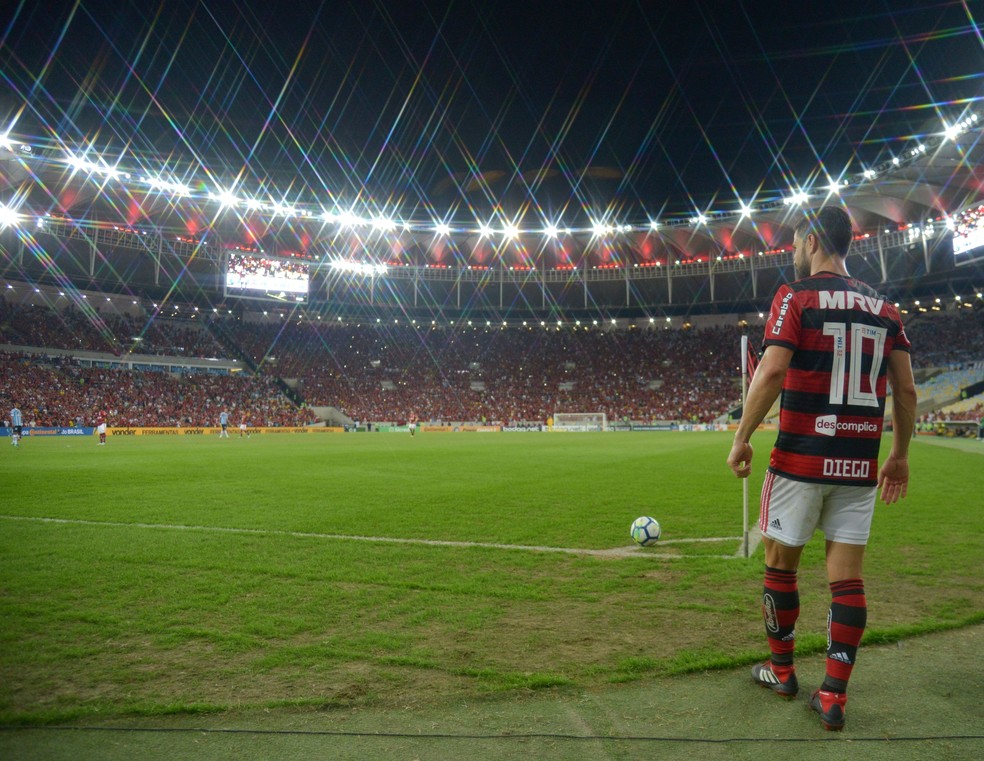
8	217
77	162
442	228
348	218
510	231
384	223
551	231
653	224
746	210
870	174
224	197
485	231
359	268
600	229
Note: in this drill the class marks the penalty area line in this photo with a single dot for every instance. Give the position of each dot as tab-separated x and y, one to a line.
628	551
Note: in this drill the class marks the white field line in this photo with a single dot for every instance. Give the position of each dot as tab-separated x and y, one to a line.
628	551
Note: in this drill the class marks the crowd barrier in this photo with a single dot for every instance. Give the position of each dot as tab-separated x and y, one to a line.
209	431
51	431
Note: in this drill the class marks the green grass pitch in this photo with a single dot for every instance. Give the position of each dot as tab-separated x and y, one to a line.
201	574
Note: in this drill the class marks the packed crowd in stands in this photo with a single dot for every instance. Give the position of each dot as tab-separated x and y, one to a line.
945	339
513	375
57	391
380	372
88	330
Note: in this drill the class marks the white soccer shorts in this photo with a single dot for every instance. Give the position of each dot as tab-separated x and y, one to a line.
790	511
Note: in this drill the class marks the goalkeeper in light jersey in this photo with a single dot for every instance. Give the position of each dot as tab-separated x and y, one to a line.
16	425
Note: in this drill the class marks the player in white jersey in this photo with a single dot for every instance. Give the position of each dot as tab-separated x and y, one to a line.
16	425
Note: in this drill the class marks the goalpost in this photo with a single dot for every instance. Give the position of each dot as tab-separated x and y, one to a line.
580	421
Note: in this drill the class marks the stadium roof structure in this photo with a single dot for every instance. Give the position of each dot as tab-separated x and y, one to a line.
131	204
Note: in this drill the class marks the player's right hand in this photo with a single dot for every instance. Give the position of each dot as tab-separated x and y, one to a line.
740	459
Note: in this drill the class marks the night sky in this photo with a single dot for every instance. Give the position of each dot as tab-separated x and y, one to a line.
548	109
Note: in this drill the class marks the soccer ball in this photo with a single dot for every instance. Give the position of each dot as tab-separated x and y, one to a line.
645	531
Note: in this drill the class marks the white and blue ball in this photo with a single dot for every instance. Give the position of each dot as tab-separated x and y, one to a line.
645	531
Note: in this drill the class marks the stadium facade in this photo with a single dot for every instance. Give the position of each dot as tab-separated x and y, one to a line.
103	228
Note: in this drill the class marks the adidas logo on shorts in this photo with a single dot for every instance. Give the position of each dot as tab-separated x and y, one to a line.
774	523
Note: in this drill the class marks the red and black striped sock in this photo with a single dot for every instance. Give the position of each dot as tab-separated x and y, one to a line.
780	609
845	627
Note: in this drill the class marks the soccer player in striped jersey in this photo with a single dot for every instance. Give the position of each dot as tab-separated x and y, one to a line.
831	346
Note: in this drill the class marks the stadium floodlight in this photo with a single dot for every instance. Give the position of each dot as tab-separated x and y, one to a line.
225	198
796	199
700	219
348	218
442	228
896	160
600	229
870	174
359	268
746	210
384	223
77	162
551	231
510	231
8	217
484	230
6	143
653	224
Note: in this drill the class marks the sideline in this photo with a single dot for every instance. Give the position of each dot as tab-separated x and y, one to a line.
628	551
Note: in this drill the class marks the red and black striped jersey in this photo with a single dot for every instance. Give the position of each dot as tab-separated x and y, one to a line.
833	399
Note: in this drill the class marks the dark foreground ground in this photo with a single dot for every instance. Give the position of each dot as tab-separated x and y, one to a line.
919	699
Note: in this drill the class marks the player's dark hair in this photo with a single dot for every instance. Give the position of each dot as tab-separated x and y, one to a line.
832	225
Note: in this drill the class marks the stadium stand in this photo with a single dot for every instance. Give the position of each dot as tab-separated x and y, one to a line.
58	391
502	375
384	373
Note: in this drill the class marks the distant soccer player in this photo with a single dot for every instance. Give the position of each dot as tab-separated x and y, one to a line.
412	424
243	429
831	342
101	428
16	426
224	423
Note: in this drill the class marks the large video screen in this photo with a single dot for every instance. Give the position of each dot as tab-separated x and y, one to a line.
968	236
253	276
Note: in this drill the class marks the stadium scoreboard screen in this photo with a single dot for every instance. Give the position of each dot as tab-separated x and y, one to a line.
254	276
968	236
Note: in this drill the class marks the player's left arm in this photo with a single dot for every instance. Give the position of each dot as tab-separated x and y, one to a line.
893	477
766	385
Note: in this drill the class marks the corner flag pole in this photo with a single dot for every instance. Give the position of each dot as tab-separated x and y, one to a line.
744	481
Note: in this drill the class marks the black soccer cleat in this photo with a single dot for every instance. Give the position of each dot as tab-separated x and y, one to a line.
830	706
786	687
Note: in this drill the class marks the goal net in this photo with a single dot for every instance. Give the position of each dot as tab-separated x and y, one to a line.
580	421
